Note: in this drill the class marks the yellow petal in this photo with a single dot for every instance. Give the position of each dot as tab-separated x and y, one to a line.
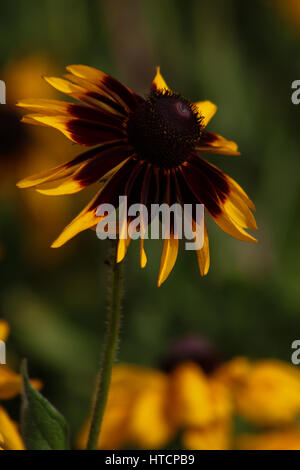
58	173
158	83
85	220
89	73
64	86
9	431
58	122
235	187
4	330
220	145
67	187
206	109
11	383
168	259
239	212
29	120
122	250
143	256
229	226
47	106
203	256
86	84
78	92
72	186
99	79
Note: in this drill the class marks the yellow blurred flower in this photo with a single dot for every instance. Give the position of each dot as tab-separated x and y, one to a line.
135	410
202	408
23	151
10	386
4	330
10	438
10	381
266	392
148	409
287	439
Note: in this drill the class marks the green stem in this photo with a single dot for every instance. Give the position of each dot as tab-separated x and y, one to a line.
111	344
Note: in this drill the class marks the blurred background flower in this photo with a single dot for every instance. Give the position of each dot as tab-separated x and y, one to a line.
235	404
10	387
244	59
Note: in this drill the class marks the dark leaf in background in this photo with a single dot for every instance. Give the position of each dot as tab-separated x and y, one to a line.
43	427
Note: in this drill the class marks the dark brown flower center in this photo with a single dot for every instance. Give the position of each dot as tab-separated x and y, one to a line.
164	129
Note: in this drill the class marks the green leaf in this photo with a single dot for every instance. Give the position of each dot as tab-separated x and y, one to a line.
43	427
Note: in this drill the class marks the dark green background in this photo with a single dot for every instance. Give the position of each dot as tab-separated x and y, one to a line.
241	55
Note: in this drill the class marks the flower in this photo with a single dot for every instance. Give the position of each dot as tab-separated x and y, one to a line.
149	409
21	150
266	392
146	149
10	381
10	438
134	410
10	386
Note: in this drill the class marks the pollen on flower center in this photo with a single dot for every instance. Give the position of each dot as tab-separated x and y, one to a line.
164	129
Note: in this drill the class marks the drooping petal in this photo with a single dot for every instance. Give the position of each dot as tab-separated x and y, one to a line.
232	199
123	245
145	193
203	256
214	143
213	195
123	229
239	211
64	170
229	226
88	217
171	244
237	189
99	168
207	184
168	259
159	83
206	110
143	256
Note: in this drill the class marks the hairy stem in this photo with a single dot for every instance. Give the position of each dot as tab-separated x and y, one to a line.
110	348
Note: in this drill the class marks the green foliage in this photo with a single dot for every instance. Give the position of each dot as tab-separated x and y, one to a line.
43	427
